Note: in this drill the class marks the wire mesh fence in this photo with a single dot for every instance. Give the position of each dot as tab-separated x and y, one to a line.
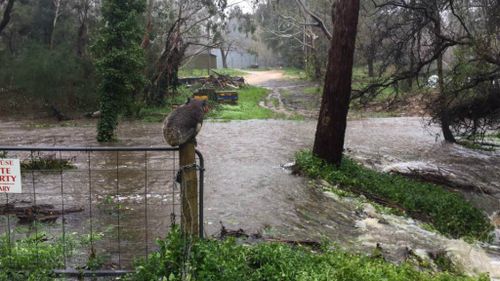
104	206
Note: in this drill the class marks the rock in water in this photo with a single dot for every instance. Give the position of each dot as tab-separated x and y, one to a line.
184	123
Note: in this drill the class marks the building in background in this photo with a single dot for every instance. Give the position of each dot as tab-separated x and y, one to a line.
200	61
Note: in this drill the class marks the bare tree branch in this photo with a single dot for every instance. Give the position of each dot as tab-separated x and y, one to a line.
315	17
6	15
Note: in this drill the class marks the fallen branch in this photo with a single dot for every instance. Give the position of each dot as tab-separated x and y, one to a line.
240	233
41	213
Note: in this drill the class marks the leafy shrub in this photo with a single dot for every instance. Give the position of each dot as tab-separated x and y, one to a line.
29	259
229	261
448	212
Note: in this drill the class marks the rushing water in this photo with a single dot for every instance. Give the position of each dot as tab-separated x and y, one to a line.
247	188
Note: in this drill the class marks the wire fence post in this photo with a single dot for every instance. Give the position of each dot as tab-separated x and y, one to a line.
189	189
81	185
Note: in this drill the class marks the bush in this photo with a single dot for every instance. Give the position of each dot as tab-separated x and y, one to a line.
448	212
29	259
229	260
35	80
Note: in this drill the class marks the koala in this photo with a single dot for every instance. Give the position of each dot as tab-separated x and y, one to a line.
184	123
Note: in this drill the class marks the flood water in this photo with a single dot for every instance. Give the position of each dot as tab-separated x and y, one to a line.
246	187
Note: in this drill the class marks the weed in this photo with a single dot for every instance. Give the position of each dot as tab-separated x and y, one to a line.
230	260
448	212
49	162
32	258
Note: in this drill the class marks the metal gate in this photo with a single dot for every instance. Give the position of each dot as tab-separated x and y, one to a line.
105	205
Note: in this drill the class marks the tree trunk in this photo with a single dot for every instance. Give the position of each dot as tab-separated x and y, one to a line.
443	116
81	41
6	15
370	66
330	132
370	57
224	54
149	26
57	4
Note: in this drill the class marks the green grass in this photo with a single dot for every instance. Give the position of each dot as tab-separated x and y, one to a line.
247	107
204	72
475	145
313	90
230	260
293	72
448	212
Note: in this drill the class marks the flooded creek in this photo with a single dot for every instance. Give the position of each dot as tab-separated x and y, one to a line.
246	187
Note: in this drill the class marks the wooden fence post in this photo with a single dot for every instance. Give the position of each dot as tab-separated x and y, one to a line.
189	189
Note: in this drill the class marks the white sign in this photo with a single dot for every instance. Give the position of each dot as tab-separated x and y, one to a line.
10	176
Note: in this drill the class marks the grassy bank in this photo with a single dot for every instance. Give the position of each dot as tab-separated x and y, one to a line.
448	212
247	107
222	261
229	261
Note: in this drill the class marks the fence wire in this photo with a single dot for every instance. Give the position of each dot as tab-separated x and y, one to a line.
106	206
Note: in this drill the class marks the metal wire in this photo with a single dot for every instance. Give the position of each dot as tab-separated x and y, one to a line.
156	191
63	211
118	206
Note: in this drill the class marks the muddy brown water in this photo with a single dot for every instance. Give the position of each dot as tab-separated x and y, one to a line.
246	186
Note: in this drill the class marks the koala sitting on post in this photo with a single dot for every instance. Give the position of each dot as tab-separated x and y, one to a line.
183	124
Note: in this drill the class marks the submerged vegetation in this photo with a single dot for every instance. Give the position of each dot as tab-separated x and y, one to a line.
231	260
46	162
448	212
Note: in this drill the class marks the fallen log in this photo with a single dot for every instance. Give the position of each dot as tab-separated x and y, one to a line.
309	243
240	233
428	172
40	213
